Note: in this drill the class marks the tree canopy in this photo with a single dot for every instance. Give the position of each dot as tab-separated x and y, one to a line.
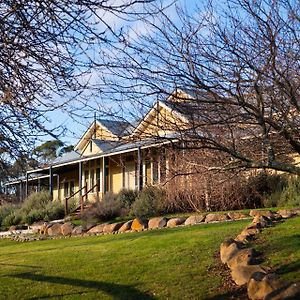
240	63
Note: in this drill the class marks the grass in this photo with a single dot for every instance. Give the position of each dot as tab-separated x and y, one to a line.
281	247
160	264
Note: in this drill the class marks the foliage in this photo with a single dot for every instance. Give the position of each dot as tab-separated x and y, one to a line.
37	207
150	202
37	201
127	197
106	209
6	210
290	195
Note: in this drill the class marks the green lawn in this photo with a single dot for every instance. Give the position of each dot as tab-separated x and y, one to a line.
178	263
281	247
161	264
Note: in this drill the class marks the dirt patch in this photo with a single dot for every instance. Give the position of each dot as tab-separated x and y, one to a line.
228	289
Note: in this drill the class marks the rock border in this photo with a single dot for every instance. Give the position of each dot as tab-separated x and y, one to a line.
262	283
64	228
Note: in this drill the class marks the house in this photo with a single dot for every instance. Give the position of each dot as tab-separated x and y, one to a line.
112	155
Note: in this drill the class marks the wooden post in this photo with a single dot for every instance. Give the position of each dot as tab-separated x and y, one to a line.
66	206
26	186
51	181
97	192
139	169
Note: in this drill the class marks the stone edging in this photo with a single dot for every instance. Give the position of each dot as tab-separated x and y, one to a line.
261	283
60	228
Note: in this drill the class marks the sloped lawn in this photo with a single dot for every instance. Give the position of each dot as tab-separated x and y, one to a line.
281	247
160	264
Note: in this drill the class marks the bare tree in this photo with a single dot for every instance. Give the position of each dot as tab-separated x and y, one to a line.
239	62
46	57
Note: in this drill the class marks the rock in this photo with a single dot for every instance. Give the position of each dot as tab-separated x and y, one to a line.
242	257
97	229
54	230
250	231
67	228
110	228
138	224
158	222
36	227
126	226
228	249
286	213
78	230
44	228
192	220
262	213
262	221
242	274
175	222
243	238
237	215
291	292
260	285
12	228
215	217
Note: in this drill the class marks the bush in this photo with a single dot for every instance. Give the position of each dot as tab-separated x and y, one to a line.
6	210
53	210
290	195
37	201
14	218
150	202
127	197
107	209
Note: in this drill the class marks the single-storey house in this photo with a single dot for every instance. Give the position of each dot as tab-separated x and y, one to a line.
112	155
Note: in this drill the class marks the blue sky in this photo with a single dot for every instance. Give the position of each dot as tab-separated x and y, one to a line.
76	127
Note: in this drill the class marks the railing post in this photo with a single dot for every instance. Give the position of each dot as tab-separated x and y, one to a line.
85	191
66	206
81	204
97	192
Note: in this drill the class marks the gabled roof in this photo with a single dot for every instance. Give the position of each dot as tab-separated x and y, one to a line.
117	128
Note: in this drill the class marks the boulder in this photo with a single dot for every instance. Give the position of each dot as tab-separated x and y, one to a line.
97	229
192	220
67	228
158	222
228	249
242	257
44	228
242	274
138	224
126	226
262	221
54	230
243	238
262	213
260	285
250	231
175	222
215	218
110	228
286	213
78	230
237	215
291	292
37	226
12	228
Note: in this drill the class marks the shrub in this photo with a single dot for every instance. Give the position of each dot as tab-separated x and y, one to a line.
107	209
14	218
127	197
53	210
290	195
37	201
150	202
6	210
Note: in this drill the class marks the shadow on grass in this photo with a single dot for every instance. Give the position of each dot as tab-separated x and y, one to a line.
117	291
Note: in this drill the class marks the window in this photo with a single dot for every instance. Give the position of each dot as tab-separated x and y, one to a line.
69	188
